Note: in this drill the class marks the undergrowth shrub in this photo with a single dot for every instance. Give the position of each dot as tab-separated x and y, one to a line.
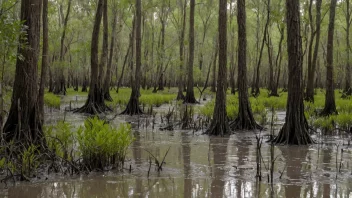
101	145
60	139
96	145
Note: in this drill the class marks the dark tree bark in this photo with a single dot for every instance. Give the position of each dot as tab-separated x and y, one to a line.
163	17
213	83
23	123
295	129
312	62
95	103
190	81
348	90
107	79
128	54
330	105
219	124
180	95
233	53
105	49
278	62
45	62
60	83
256	90
133	104
245	119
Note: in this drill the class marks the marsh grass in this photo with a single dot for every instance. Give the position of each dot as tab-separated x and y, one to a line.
97	145
52	101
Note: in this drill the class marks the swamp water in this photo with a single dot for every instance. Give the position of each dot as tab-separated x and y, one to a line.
201	166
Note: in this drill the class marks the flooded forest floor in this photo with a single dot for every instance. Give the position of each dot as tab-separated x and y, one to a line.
197	165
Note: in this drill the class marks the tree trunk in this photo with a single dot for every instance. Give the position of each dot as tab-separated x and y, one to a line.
256	90
348	90
180	95
190	81
107	80
245	119
213	84
233	53
278	63
23	124
219	124
105	46
45	62
133	104
60	85
295	129
313	62
128	54
330	106
95	103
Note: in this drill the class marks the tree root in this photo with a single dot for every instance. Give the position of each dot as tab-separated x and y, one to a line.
295	135
132	108
180	96
327	111
245	123
93	108
218	128
190	100
108	97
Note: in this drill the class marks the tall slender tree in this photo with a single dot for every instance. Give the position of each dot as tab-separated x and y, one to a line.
220	125
95	103
190	81
245	119
312	62
45	61
295	129
23	123
330	105
183	7
348	90
133	104
60	84
108	75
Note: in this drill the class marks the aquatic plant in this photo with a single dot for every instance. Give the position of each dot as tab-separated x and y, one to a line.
60	139
52	100
102	145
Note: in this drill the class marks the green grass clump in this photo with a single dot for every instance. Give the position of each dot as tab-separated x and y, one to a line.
343	120
325	123
207	110
101	144
156	99
52	100
231	108
71	92
97	143
60	139
147	97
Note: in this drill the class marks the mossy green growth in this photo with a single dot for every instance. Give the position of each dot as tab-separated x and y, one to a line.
102	145
52	100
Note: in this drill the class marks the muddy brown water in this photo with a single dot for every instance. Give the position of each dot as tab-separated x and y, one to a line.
202	166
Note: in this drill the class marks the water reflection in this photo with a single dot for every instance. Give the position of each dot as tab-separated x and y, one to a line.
199	166
293	157
218	147
186	156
